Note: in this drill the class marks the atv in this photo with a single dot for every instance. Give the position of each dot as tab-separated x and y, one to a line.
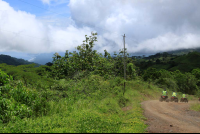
164	98
173	98
184	100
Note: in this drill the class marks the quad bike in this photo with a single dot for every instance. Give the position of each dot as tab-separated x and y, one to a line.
164	98
184	100
173	98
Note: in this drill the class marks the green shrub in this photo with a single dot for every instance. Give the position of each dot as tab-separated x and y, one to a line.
122	101
4	78
21	102
166	83
10	110
151	73
131	71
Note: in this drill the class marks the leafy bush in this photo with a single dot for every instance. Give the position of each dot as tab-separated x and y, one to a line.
186	82
167	83
4	78
131	71
196	73
151	73
10	110
122	101
21	102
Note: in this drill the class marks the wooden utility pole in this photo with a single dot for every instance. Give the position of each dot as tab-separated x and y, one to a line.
124	64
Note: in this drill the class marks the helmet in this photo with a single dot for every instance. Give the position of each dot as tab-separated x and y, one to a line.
164	89
173	91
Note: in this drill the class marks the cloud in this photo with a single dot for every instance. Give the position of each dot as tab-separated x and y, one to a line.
168	42
149	26
147	22
23	32
32	59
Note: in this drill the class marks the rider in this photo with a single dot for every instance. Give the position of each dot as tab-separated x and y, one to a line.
184	95
174	94
164	93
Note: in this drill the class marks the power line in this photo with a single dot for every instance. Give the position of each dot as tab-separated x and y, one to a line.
38	7
33	5
133	39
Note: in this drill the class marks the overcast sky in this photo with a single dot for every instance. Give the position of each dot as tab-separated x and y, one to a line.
35	29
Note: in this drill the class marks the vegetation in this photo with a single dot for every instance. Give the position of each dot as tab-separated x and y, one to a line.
195	107
82	92
170	62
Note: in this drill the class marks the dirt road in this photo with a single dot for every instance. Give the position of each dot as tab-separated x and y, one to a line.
163	117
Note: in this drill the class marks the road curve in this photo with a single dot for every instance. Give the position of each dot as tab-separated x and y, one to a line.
171	117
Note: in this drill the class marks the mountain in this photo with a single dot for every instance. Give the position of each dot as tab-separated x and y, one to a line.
14	61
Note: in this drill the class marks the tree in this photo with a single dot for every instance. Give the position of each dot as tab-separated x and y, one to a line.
58	66
74	62
186	82
49	64
158	61
165	74
196	73
165	54
166	79
151	73
131	70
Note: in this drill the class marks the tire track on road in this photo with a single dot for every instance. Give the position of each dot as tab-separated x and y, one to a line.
169	117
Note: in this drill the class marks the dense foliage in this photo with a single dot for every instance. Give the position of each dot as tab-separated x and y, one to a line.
83	92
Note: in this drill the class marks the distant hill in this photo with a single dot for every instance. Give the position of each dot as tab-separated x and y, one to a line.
174	52
183	51
187	62
14	61
184	63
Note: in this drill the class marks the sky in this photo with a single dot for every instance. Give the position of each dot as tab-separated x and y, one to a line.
35	29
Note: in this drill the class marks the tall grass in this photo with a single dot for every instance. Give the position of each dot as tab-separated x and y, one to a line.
90	105
195	106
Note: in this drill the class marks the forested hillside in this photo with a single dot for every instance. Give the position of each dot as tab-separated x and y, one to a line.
14	61
184	63
84	92
184	51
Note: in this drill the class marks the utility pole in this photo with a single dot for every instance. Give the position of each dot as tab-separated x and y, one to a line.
124	64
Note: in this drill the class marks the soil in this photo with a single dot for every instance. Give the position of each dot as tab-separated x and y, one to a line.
171	117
